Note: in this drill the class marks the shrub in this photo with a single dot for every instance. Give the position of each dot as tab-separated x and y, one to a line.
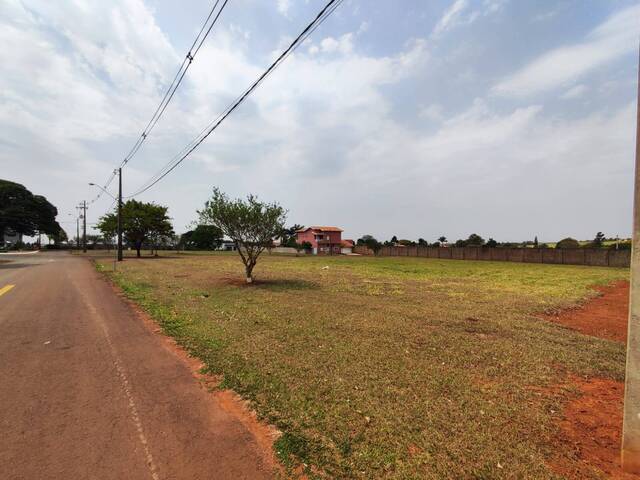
568	243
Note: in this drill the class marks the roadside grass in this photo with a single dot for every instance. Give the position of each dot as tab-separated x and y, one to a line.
386	367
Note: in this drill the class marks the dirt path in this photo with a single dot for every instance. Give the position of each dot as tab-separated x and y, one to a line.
88	391
591	426
604	316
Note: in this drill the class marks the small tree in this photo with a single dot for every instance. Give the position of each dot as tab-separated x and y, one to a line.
250	224
306	246
491	243
442	239
371	243
598	241
535	242
475	240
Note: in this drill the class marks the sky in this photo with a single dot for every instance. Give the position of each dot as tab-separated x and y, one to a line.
510	119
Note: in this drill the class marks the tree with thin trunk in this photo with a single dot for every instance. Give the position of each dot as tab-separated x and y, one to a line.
251	225
141	222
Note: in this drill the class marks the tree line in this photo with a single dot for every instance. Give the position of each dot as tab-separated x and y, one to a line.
475	240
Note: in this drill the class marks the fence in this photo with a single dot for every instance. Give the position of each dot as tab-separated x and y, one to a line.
600	257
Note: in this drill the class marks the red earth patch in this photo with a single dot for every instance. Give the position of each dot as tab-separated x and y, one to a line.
604	316
591	426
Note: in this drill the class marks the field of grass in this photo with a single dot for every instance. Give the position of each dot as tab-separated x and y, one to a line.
385	367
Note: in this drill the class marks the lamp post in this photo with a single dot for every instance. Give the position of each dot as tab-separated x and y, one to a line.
119	200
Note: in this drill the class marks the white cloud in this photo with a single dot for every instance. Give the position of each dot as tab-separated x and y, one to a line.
330	120
450	18
615	37
576	91
344	44
284	6
456	15
432	112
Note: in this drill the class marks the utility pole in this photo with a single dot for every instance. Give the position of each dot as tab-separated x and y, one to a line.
84	226
120	214
631	419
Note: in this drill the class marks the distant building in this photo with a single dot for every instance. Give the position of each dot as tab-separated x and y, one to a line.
323	240
346	248
228	246
11	238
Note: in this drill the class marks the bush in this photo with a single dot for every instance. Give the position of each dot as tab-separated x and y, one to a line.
568	243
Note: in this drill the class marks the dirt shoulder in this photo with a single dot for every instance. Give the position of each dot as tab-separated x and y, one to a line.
604	316
590	426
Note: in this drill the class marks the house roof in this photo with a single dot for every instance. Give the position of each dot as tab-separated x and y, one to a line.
321	229
348	243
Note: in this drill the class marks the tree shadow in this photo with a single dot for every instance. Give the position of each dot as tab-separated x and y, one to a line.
279	284
8	265
284	284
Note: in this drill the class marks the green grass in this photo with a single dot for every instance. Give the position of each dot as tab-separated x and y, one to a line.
385	367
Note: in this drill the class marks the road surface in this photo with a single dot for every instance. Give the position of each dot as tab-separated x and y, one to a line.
87	391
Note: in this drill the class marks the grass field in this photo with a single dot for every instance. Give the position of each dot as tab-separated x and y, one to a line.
386	367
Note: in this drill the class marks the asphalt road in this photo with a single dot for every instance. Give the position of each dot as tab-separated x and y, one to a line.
87	391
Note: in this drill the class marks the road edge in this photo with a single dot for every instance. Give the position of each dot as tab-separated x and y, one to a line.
264	434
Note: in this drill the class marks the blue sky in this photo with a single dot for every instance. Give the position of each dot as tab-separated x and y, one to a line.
511	119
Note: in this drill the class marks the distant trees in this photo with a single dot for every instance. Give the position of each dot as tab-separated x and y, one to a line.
491	243
442	239
251	225
141	222
203	237
473	240
25	213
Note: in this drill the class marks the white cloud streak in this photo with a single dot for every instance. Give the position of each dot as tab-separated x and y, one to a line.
615	37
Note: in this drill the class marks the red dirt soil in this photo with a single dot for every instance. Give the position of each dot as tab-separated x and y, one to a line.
604	316
591	426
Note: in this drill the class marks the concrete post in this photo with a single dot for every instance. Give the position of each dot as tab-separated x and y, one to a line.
631	419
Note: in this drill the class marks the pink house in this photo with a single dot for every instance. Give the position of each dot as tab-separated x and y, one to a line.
323	240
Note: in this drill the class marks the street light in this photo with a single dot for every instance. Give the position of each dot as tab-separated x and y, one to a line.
119	200
103	189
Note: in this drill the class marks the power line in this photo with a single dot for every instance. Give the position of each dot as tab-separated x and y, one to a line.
328	9
177	80
171	90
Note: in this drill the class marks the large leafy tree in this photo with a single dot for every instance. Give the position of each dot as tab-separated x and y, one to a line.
203	237
251	225
141	222
23	212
